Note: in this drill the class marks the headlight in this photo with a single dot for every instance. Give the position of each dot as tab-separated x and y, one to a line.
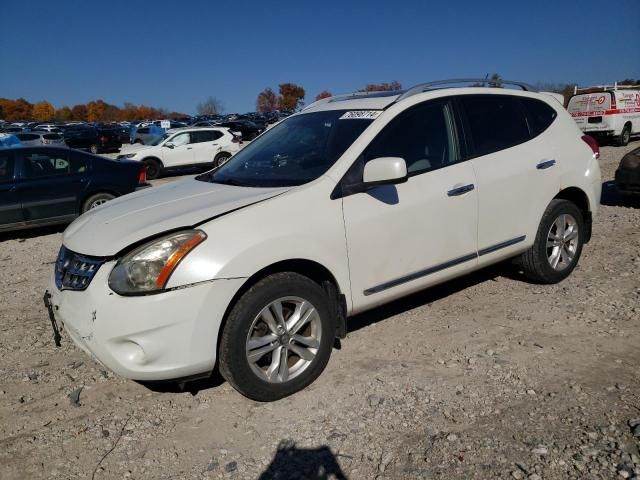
148	268
129	155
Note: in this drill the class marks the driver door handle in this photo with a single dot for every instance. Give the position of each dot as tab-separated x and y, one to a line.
545	164
457	191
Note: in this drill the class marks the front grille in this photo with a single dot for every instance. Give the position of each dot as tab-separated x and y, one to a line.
74	271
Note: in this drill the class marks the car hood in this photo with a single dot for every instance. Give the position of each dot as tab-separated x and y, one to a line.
108	229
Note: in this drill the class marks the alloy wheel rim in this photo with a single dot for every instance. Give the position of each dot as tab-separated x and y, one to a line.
284	339
97	203
562	242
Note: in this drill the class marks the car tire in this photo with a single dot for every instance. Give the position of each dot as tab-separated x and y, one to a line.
625	136
221	159
153	168
94	149
254	364
96	200
557	246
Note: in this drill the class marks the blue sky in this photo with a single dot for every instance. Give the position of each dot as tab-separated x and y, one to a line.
175	54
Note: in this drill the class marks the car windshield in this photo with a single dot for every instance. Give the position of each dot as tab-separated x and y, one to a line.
296	151
157	140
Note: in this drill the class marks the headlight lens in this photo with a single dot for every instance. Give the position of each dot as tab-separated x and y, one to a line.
148	268
130	155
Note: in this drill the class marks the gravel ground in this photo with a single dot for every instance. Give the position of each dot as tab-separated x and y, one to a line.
483	377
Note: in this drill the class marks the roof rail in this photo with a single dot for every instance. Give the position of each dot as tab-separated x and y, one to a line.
484	82
344	96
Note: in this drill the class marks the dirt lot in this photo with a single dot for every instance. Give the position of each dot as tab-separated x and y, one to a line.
484	377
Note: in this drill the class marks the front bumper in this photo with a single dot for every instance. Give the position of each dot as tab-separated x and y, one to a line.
628	180
151	337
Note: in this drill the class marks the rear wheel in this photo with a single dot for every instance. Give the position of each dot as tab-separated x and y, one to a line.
278	337
221	158
625	136
153	168
557	246
96	200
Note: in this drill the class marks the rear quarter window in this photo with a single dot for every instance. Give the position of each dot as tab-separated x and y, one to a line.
495	122
539	115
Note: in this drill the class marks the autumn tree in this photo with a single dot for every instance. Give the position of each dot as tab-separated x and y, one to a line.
323	94
211	106
291	96
267	101
64	114
79	113
15	110
42	111
382	87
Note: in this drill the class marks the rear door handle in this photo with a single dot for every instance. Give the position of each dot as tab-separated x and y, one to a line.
543	165
456	191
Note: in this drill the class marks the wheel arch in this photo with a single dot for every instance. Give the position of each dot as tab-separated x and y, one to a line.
581	200
151	157
308	268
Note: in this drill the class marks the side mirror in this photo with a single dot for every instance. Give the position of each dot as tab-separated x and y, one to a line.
385	171
169	145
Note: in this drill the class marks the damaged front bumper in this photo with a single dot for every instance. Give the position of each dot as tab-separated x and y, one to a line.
151	337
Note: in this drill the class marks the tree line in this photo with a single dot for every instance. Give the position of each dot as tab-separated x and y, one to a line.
290	96
94	111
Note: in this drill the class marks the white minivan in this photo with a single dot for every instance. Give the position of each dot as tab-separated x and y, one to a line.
184	148
612	112
256	266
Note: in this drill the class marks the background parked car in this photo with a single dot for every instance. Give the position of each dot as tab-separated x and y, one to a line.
628	175
94	139
48	185
36	139
146	135
186	147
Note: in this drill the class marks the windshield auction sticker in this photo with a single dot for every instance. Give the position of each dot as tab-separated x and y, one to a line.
361	115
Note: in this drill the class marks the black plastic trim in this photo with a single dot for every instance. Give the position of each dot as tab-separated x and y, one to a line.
501	245
421	273
442	266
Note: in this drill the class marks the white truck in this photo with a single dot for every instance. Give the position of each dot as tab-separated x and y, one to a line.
608	111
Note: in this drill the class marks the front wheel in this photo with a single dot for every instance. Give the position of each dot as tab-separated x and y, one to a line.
278	337
557	246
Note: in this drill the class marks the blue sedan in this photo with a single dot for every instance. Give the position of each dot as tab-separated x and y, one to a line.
47	186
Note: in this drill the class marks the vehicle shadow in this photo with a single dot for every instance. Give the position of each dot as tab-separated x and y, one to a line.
612	197
290	462
193	386
34	232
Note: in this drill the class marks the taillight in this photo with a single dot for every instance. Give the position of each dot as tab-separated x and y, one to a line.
103	140
593	143
142	176
613	101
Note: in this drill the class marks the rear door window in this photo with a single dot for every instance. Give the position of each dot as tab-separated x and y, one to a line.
539	115
52	136
46	164
495	122
6	167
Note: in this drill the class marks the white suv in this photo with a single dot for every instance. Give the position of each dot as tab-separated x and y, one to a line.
356	201
185	147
